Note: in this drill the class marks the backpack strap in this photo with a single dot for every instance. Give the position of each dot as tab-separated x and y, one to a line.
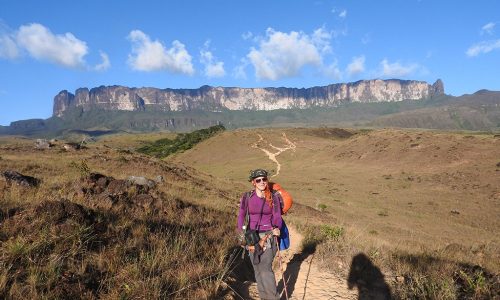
245	198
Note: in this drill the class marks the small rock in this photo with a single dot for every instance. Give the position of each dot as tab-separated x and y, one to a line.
42	144
455	212
72	146
139	180
400	279
159	179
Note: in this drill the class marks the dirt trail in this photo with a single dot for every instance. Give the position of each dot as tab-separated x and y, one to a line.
272	156
310	282
304	278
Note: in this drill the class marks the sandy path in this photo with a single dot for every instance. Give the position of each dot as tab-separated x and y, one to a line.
304	279
272	155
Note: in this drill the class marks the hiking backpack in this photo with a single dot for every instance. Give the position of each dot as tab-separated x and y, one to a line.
286	199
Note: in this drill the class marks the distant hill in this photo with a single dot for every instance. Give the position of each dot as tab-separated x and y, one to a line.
479	111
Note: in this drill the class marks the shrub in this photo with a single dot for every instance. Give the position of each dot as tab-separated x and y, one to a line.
182	142
82	167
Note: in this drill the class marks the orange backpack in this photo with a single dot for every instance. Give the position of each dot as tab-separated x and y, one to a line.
287	198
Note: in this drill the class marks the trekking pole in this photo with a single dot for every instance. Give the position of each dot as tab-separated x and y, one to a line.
281	267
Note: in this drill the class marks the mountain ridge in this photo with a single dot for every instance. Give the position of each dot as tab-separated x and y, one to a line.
234	98
479	111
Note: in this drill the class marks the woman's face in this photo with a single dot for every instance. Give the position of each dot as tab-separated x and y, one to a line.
260	183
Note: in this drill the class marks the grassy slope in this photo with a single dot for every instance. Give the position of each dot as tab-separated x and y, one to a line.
390	191
105	244
417	177
394	191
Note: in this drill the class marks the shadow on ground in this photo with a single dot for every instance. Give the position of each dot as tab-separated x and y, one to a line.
292	271
368	279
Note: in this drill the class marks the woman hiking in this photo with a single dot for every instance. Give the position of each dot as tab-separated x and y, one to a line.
260	211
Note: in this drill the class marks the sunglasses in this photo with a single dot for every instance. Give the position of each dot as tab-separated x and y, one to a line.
259	180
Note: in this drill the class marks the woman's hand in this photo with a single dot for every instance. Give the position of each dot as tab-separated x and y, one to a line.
276	231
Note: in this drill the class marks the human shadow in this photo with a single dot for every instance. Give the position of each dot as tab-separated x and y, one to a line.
368	279
242	272
292	270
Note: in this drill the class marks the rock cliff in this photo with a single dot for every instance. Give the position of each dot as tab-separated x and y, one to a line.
232	98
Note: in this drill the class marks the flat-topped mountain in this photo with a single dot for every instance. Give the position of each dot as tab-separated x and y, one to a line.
209	98
379	103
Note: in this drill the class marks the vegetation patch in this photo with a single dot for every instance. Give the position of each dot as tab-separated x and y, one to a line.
182	142
428	276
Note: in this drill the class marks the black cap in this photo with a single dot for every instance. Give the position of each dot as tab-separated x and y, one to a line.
257	173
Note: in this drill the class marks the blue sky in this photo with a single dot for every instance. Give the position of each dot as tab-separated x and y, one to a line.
49	46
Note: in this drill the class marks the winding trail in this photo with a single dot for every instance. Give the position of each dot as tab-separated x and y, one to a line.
272	156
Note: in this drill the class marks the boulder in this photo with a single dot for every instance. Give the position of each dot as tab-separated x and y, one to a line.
20	179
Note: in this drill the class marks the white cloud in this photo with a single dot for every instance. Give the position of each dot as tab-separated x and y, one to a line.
397	69
483	47
8	47
42	44
333	71
239	71
213	68
343	14
488	28
356	66
105	64
282	54
148	55
321	39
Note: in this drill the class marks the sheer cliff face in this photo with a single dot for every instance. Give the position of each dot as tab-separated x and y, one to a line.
220	98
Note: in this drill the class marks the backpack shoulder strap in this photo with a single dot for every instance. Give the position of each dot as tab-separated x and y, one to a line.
245	198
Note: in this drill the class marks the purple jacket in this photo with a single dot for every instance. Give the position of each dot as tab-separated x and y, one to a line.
270	218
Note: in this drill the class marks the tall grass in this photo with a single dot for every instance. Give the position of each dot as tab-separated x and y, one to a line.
62	241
